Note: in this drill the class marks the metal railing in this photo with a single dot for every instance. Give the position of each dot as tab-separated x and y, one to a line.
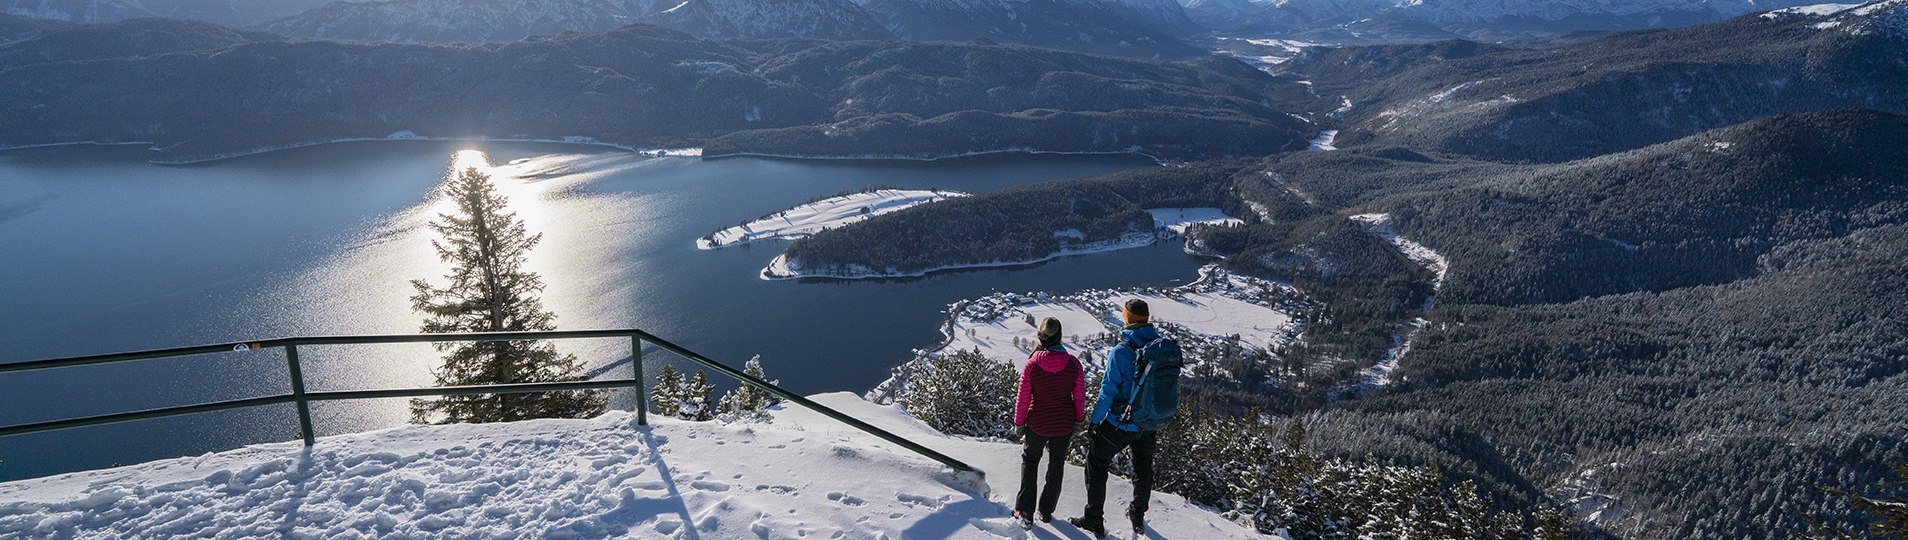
303	398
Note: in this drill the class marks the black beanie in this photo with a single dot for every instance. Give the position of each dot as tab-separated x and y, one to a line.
1049	332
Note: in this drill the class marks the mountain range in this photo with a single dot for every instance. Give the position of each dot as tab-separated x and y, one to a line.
196	90
1600	96
1356	21
225	12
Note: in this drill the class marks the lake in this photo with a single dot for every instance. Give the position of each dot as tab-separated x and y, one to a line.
102	252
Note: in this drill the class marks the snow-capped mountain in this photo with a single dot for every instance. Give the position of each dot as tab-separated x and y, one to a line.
1131	27
820	19
1109	27
1373	19
1218	13
226	12
91	11
470	21
444	21
235	13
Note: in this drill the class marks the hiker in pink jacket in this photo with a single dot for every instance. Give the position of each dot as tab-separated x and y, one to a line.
1052	400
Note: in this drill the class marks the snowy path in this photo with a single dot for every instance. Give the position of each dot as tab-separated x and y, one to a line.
801	476
1379	374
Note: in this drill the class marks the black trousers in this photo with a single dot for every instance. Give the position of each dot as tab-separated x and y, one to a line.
1107	442
1056	450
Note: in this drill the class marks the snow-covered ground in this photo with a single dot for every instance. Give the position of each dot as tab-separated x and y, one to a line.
1177	220
800	476
1217	306
821	215
1264	53
1379	374
1325	142
1167	223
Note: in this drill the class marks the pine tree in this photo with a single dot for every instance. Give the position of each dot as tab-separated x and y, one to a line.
489	291
748	403
698	398
666	397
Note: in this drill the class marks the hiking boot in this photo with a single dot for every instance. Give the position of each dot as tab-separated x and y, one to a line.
1025	521
1139	522
1046	517
1092	526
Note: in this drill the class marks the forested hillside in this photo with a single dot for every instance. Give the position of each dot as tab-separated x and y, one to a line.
197	91
1681	341
1613	94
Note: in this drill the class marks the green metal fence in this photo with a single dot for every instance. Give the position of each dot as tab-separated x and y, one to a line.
303	398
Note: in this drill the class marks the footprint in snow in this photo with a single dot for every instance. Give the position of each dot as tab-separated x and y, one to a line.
845	498
709	485
918	500
777	489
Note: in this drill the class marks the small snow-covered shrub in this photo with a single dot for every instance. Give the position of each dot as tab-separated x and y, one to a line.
963	393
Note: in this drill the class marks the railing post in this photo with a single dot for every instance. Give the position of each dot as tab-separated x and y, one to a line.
298	394
642	387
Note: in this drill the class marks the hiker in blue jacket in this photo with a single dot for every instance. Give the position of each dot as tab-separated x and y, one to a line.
1109	435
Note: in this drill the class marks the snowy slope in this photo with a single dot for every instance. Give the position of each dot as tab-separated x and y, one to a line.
471	21
1886	17
822	215
802	475
1538	15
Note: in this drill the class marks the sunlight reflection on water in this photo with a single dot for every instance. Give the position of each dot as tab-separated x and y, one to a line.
364	288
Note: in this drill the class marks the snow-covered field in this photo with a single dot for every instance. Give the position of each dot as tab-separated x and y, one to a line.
1264	53
800	476
1167	223
821	215
1325	142
1219	305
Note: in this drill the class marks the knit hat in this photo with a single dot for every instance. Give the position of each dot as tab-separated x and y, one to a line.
1048	332
1135	311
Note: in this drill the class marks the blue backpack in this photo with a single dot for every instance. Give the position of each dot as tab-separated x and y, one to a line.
1155	393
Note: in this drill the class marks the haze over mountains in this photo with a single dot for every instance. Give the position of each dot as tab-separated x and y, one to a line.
1124	27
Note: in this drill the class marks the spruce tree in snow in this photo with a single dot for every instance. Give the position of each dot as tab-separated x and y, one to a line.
666	397
489	291
748	403
698	398
963	393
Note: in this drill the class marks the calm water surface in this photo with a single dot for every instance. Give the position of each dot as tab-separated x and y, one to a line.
102	252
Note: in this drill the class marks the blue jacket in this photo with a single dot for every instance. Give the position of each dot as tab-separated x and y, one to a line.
1120	373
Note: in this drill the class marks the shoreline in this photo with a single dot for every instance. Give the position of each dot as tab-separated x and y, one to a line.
580	141
937	157
771	273
587	141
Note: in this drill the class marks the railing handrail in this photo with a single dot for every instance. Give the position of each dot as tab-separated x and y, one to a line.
302	398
